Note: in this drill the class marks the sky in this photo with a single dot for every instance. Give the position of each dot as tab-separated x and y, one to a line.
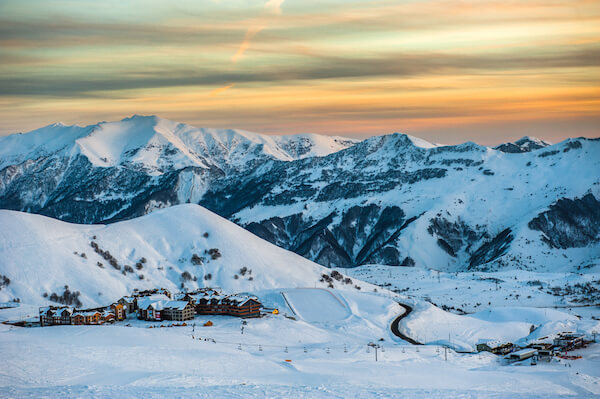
447	71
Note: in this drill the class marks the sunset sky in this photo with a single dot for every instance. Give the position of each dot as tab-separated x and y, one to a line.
447	71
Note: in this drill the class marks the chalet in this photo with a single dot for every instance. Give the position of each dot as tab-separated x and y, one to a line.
568	341
88	316
78	319
232	305
494	346
55	315
119	311
244	307
150	307
129	304
107	316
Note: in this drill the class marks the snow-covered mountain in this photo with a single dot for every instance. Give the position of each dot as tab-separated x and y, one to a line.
524	144
182	246
118	170
393	199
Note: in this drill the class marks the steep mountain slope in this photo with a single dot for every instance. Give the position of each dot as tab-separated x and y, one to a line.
388	200
183	246
118	170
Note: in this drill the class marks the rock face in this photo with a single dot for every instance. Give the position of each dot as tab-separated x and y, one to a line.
570	223
393	199
362	235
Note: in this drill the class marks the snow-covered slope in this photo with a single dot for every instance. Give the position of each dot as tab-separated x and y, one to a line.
182	246
394	199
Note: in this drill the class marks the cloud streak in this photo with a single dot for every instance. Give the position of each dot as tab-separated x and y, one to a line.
220	90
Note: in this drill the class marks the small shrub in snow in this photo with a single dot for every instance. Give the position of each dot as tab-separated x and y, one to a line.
336	275
128	269
205	235
4	281
100	265
214	253
67	297
347	280
45	295
139	266
83	255
208	276
250	278
197	260
235	276
186	276
143	260
141	276
357	287
243	270
330	285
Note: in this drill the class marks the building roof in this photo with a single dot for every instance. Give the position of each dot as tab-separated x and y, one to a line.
525	351
492	343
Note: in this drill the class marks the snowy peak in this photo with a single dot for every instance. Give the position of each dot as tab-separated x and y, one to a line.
158	144
524	144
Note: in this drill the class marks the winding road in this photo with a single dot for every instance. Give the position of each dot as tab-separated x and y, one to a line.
394	327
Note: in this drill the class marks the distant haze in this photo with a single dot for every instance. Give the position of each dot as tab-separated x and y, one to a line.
446	71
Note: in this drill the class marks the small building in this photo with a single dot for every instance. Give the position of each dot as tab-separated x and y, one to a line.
494	346
55	315
521	355
568	341
129	304
244	307
178	310
108	316
78	319
119	311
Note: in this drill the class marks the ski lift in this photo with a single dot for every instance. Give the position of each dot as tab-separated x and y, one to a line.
260	348
240	346
286	349
327	350
305	350
345	349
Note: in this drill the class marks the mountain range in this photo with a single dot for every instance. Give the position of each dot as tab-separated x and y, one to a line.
393	199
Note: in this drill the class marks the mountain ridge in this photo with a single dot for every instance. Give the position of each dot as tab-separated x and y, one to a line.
392	199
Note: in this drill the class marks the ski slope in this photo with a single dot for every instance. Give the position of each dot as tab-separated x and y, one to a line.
316	305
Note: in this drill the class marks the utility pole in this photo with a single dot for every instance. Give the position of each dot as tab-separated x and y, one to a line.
445	353
374	346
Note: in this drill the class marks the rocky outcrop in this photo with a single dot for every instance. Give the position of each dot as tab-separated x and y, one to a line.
570	223
359	236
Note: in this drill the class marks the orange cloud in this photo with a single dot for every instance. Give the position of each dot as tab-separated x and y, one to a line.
220	90
250	33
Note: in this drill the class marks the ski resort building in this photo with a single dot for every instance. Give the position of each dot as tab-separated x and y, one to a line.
152	309
231	305
55	315
568	341
494	346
